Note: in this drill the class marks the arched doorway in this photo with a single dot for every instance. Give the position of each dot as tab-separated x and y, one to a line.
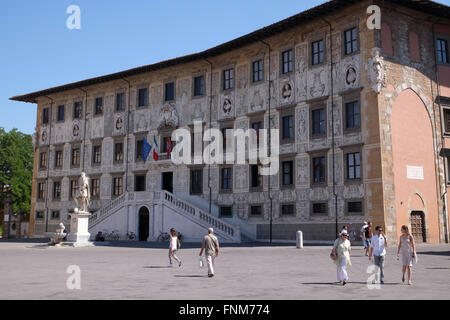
144	222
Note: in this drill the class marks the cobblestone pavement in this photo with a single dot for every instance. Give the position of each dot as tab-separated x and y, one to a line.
30	270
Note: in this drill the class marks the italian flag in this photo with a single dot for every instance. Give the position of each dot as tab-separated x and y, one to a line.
155	149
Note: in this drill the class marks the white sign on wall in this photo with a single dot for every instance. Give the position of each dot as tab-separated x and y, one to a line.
414	173
6	218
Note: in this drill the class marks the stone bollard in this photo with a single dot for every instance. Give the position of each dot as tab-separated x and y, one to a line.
299	240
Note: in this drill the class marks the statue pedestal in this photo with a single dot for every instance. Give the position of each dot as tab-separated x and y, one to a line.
79	234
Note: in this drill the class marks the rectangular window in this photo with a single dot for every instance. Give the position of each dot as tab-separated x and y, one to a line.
41	191
196	181
288	173
258	71
287	210
353	166
43	160
256	177
318	52
54	215
45	115
319	169
352	115
142	97
56	190
77	110
288	127
118	152
256	211
73	188
318	121
75	157
96	155
169	91
442	50
95	188
117	186
228	79
287	61
226	211
319	209
120	101
354	208
257	126
226	178
199	86
139	183
446	113
58	159
39	215
98	106
351	40
140	150
60	113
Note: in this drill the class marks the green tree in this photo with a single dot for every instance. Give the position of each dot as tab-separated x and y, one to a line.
16	168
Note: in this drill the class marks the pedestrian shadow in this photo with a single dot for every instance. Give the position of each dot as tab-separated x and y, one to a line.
157	267
189	276
39	246
323	283
435	253
438	268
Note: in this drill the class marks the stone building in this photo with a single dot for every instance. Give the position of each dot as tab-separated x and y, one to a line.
363	119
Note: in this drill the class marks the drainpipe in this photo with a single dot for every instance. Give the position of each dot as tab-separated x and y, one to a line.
128	133
48	162
210	122
84	130
269	144
444	195
332	127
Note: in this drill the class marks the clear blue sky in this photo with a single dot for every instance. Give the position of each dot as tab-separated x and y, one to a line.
38	51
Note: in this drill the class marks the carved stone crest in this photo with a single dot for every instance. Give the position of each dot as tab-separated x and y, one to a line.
76	129
44	136
286	90
376	71
168	117
227	106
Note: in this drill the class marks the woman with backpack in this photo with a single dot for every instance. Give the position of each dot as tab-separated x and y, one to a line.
174	245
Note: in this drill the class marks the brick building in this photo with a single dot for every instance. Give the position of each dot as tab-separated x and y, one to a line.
363	118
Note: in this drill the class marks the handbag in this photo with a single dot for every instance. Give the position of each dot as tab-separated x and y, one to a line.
415	259
333	254
200	262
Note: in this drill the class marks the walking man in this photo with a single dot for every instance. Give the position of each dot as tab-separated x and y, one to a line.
211	246
378	249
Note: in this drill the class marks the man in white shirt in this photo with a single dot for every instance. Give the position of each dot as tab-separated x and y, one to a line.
378	249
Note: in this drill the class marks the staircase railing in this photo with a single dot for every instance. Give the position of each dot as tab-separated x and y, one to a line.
106	211
198	214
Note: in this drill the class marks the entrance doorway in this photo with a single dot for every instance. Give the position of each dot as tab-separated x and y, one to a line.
144	221
167	181
418	226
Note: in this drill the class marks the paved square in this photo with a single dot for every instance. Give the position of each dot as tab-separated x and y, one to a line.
35	271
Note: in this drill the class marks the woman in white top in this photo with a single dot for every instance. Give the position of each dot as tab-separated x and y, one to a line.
173	247
341	250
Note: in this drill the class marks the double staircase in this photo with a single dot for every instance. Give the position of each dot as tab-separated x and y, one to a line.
195	215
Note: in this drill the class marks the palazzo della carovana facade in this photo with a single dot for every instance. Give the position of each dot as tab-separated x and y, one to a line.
359	91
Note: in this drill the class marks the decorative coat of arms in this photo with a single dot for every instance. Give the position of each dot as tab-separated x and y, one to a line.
376	71
227	106
168	117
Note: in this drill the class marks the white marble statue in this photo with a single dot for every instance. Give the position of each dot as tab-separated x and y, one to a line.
83	196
